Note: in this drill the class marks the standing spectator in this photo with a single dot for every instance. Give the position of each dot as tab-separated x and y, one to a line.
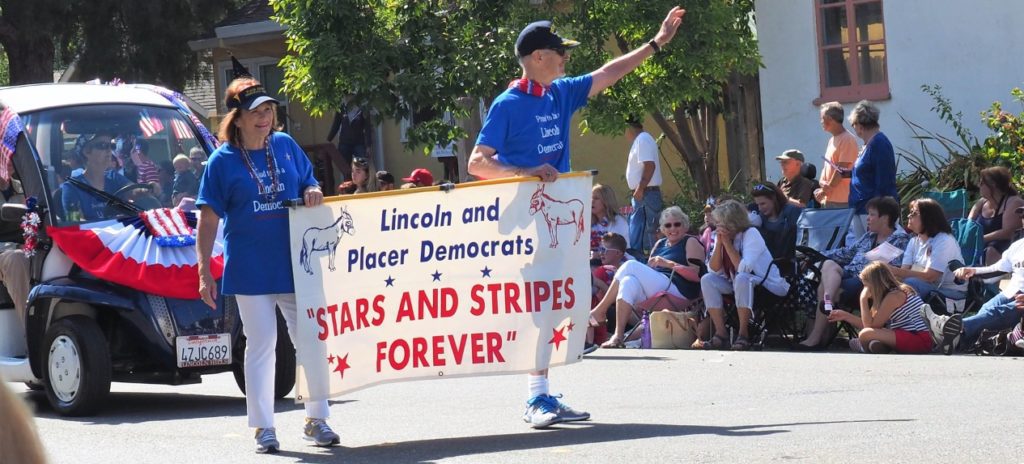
874	173
526	133
931	249
185	182
997	197
739	261
197	157
797	188
840	154
257	165
147	169
891	316
385	181
352	126
643	176
604	218
421	177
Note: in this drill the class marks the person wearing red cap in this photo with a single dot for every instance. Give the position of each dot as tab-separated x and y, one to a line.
421	177
526	133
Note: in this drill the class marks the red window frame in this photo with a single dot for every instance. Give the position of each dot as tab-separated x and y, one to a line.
856	91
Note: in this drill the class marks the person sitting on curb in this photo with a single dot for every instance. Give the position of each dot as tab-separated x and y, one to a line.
1001	312
890	315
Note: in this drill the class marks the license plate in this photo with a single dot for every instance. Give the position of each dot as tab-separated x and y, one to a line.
204	350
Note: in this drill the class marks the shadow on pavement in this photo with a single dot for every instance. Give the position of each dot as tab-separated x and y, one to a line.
423	451
133	408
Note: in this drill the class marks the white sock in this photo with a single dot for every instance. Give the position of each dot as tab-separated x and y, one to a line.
538	385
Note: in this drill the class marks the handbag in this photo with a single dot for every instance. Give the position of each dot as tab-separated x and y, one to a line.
672	330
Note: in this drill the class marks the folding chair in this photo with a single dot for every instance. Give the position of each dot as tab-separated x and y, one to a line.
954	203
971	238
823	229
665	300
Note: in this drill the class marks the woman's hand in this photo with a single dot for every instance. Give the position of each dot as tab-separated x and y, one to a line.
658	261
313	196
838	315
208	289
964	273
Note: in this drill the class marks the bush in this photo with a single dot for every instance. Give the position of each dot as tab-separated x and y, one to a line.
1005	147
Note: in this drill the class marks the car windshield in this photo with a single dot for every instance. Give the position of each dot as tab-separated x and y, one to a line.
107	161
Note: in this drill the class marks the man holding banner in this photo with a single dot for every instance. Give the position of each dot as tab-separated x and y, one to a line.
526	133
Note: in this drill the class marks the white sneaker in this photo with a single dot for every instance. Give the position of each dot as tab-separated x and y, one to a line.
951	333
856	346
935	322
541	411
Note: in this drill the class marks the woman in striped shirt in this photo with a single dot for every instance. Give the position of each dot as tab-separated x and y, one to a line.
890	315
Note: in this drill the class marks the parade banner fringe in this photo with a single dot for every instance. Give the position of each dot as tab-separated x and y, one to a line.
487	278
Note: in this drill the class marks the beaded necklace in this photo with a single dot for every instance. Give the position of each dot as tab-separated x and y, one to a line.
269	192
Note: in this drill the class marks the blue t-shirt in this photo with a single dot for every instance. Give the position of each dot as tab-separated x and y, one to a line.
874	173
90	204
527	131
257	257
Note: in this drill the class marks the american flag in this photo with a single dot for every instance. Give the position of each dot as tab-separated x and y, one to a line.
10	127
150	126
181	129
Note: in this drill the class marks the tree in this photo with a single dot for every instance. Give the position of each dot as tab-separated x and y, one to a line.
127	39
397	55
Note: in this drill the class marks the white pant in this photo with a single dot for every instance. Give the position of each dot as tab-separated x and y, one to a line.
260	326
638	282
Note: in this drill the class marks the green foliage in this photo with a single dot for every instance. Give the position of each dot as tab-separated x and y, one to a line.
403	56
1005	146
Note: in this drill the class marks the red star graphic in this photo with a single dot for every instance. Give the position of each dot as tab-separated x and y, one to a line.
342	365
571	326
557	337
330	359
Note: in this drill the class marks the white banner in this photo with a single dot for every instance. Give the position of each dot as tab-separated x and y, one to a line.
488	278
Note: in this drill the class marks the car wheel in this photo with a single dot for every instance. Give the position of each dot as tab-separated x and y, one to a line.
284	374
77	369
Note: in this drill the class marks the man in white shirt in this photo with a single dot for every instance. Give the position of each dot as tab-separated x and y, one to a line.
643	176
1001	312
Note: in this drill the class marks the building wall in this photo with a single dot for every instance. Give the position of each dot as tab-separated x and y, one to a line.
966	47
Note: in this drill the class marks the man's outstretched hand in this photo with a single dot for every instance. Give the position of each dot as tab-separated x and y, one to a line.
669	26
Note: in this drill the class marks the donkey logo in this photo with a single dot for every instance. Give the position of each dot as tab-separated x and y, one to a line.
316	239
557	213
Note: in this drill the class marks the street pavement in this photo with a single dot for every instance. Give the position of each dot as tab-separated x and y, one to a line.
648	406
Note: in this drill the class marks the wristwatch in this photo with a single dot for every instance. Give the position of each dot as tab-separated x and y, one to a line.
655	46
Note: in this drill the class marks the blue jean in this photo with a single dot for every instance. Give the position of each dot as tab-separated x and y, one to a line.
924	289
999	313
644	221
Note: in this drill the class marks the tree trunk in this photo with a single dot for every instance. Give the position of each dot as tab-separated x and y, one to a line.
27	34
743	130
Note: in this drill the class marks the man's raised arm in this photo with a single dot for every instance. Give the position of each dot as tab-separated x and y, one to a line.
615	69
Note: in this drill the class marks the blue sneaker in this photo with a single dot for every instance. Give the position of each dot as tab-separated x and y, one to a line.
566	413
541	412
266	441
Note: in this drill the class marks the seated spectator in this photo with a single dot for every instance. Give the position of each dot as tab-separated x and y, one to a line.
185	182
798	189
611	256
634	282
707	231
840	274
891	315
604	218
1001	312
385	181
777	220
78	204
997	197
421	177
932	247
145	167
739	261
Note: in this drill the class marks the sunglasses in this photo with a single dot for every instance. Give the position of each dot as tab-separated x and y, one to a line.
102	145
761	187
360	161
606	250
669	225
560	51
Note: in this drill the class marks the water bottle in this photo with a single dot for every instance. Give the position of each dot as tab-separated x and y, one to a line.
645	331
828	304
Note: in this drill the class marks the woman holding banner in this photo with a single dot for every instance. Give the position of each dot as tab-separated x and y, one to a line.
245	182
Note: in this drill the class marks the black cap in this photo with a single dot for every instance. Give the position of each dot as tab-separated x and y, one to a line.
541	35
250	98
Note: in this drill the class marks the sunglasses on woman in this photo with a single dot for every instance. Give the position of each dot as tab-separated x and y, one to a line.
669	225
